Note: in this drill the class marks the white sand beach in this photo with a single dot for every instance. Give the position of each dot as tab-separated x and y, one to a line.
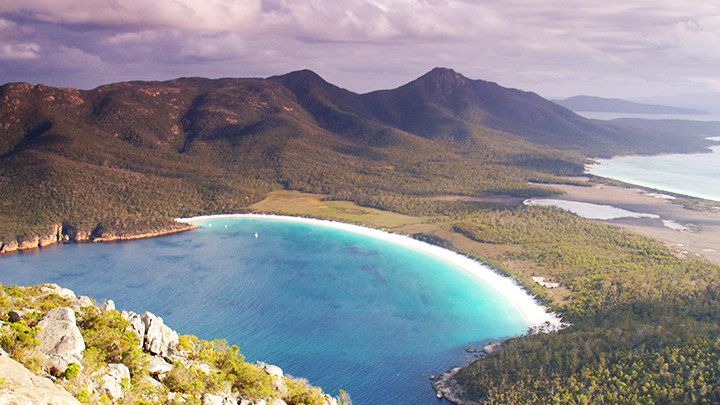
534	314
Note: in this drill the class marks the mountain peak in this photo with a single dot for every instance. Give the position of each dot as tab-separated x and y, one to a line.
444	77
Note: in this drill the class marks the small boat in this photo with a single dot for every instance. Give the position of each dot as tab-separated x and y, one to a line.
256	234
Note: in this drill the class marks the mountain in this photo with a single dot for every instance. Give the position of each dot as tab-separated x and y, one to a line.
614	105
124	159
709	101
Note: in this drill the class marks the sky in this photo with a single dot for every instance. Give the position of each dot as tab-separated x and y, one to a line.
556	48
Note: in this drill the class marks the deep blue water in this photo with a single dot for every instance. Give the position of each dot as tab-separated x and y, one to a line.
342	309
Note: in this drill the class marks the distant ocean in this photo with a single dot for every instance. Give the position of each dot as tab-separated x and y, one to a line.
612	116
345	310
696	175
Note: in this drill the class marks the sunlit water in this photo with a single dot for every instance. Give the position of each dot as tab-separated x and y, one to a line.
345	310
696	175
589	210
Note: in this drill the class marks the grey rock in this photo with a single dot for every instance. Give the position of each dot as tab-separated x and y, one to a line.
159	339
119	371
17	314
81	301
210	399
272	370
136	325
109	305
150	382
52	288
278	383
276	401
22	387
158	366
111	383
111	386
60	339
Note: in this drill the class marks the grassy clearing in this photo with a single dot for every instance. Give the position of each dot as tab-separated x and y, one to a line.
295	203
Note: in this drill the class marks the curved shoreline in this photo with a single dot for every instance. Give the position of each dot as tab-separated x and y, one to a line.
534	314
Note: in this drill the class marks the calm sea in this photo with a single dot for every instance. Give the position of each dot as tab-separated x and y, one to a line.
345	310
696	175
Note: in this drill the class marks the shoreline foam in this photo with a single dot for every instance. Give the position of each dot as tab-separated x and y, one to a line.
534	314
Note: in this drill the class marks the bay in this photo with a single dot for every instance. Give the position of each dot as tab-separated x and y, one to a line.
696	175
343	309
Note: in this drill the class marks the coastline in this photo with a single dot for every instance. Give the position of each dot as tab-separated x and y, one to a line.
705	191
689	233
532	311
39	242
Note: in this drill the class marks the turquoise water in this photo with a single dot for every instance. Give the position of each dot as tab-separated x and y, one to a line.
696	175
345	310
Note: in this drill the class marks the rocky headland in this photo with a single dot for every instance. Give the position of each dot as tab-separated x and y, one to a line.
58	348
59	234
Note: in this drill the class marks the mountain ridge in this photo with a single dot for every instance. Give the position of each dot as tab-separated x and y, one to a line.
126	158
615	105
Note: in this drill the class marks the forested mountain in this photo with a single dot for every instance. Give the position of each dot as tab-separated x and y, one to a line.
124	159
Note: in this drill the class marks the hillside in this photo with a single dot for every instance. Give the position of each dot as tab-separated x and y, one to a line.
123	160
599	104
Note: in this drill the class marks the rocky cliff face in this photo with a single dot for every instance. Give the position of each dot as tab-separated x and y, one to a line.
22	387
71	234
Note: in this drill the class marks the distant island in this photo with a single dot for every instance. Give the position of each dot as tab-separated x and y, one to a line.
614	105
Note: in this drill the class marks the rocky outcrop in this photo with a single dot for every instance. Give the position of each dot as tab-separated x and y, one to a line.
8	246
60	339
211	399
111	383
159	339
136	325
109	305
22	387
158	368
52	288
276	373
67	233
81	301
61	343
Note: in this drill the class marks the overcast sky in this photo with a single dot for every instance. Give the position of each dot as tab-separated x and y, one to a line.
557	48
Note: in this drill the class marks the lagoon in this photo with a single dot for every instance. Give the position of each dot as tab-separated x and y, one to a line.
589	210
345	309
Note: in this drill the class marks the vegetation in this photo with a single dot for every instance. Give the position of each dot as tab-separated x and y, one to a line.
643	323
203	367
126	159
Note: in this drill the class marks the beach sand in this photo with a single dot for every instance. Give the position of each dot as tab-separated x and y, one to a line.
701	233
534	314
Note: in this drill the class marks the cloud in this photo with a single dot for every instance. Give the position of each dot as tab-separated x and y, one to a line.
699	37
19	51
178	14
14	45
370	44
